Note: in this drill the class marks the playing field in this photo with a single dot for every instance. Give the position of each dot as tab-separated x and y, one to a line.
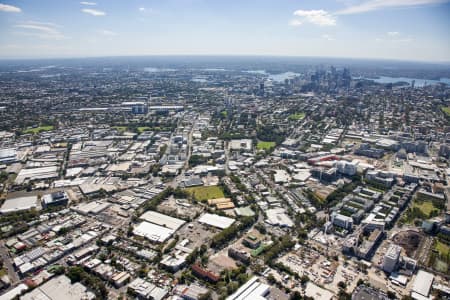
296	117
265	145
446	110
143	128
38	129
120	129
203	193
442	248
426	207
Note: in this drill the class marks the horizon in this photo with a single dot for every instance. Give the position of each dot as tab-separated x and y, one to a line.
399	30
249	56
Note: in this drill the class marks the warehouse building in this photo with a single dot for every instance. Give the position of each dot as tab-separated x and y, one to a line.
162	220
253	289
19	204
422	285
216	221
157	227
60	288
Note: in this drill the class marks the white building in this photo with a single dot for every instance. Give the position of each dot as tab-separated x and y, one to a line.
253	289
237	145
216	221
422	285
391	258
19	204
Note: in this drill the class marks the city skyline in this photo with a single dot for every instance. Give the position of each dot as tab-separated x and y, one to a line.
376	29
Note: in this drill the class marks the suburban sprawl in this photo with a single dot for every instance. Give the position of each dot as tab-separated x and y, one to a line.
240	181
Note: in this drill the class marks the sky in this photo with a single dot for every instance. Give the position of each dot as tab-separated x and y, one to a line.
381	29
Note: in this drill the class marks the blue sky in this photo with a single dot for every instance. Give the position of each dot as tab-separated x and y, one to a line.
392	29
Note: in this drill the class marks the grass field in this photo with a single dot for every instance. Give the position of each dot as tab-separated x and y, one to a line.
442	248
296	117
143	128
203	193
120	129
38	129
265	145
425	206
446	110
440	266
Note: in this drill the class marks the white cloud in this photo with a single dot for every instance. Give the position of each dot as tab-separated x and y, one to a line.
93	12
9	8
107	32
41	30
394	37
88	3
141	8
328	37
295	22
380	4
316	17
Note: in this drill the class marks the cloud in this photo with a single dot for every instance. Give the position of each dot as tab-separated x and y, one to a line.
88	3
107	32
372	5
9	8
41	30
328	37
141	8
316	17
394	37
93	12
295	22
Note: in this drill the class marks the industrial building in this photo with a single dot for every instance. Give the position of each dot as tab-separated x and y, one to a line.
422	285
8	156
55	199
19	204
216	221
153	232
162	220
278	217
137	107
253	289
59	288
147	290
42	173
237	145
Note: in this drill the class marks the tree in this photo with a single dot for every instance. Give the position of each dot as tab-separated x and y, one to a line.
342	285
391	295
343	295
271	279
295	296
205	296
304	279
75	274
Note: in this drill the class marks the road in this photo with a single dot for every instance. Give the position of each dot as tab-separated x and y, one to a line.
7	263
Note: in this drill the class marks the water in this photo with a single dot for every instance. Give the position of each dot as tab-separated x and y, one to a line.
283	76
199	79
418	81
280	77
156	70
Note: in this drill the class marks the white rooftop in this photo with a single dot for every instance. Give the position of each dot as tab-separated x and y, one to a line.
19	204
153	232
162	220
253	289
422	283
216	221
